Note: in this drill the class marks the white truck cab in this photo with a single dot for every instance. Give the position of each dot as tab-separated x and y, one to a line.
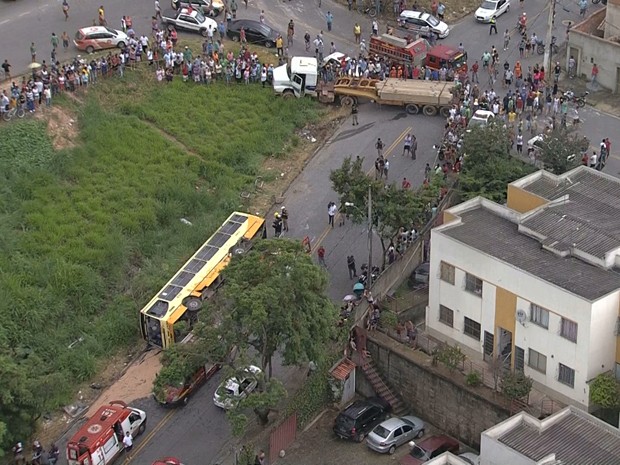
298	79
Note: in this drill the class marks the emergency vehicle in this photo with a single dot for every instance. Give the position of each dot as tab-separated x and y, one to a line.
100	440
397	49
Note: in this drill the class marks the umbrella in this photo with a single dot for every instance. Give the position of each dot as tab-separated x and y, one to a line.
349	298
34	65
358	287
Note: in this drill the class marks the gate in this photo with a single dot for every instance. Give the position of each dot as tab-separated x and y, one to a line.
282	437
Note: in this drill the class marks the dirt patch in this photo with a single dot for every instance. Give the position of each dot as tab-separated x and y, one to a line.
280	172
62	126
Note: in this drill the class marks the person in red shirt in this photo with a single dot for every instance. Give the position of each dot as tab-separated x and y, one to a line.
474	72
406	184
321	255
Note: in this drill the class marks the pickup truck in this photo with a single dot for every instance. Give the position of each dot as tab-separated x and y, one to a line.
189	20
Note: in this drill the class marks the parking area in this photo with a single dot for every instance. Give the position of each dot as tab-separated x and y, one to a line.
320	446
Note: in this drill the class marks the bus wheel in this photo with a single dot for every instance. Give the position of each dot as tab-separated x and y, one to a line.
346	101
193	304
429	110
412	109
444	111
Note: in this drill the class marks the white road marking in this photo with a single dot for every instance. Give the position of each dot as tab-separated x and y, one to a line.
23	14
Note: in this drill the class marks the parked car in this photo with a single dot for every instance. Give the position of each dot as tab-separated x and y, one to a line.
255	32
423	24
189	20
490	9
168	461
360	417
210	8
395	432
94	38
233	390
429	448
470	458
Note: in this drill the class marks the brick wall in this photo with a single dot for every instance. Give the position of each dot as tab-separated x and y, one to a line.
434	394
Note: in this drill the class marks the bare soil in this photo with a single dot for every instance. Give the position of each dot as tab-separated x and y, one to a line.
61	126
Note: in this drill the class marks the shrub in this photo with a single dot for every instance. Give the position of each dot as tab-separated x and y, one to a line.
473	379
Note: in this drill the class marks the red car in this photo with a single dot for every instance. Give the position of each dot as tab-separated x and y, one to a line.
430	448
168	461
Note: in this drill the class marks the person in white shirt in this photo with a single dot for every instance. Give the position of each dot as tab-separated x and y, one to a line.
128	442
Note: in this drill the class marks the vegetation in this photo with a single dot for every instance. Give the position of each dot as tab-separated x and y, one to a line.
392	207
451	356
516	385
91	233
178	364
488	166
560	151
274	300
473	379
605	391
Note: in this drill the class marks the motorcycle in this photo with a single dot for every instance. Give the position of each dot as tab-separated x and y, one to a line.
363	277
578	100
540	47
521	27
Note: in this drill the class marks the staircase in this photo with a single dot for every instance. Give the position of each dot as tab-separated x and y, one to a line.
382	390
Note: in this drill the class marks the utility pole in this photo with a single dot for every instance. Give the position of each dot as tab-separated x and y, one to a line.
548	48
369	279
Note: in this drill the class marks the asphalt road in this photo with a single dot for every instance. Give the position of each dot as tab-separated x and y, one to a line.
198	432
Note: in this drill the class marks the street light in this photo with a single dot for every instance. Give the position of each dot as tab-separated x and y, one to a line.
351	204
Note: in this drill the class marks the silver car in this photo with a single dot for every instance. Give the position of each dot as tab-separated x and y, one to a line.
393	432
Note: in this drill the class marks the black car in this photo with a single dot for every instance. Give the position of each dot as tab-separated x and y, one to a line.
255	32
360	417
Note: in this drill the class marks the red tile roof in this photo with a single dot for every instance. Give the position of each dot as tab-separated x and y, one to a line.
343	369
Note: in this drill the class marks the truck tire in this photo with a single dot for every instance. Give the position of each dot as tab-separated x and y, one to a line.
347	101
193	304
429	110
288	94
412	109
444	112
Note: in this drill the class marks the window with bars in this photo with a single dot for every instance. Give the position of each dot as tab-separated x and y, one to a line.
568	330
473	284
566	375
539	316
446	316
519	358
472	328
537	361
446	272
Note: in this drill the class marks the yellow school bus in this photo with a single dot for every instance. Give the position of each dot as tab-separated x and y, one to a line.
180	299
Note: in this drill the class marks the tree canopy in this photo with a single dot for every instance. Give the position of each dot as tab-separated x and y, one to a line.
605	391
488	167
560	151
392	207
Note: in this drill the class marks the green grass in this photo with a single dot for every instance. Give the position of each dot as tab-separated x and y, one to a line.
89	234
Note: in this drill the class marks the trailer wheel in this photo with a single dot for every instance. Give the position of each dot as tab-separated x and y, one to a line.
444	111
429	110
347	101
412	109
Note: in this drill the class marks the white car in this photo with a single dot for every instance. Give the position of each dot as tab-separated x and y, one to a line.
490	9
233	390
424	24
189	20
481	118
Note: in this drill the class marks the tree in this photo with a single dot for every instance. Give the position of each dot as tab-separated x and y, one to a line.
516	385
488	167
605	392
392	207
560	151
274	300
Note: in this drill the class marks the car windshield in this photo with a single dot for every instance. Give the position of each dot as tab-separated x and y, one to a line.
488	5
434	22
477	121
199	16
381	432
223	391
418	453
111	31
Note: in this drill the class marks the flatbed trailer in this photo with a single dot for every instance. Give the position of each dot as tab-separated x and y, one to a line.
429	97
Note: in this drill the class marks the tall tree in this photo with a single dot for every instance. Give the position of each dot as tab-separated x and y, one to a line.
560	151
392	207
489	167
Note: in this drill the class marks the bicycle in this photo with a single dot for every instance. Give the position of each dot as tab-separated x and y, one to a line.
11	113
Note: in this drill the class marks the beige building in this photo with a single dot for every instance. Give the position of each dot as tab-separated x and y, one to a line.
534	284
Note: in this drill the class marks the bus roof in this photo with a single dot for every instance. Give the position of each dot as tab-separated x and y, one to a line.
204	266
99	424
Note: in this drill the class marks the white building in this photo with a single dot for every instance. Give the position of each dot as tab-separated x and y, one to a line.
534	283
569	437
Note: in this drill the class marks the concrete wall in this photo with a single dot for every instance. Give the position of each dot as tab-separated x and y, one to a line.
431	393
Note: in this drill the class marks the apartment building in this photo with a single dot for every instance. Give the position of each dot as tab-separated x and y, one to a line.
534	284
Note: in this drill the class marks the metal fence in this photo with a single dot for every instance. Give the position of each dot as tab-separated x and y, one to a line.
281	437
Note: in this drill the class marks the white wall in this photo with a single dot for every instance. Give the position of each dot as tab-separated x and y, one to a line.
585	356
493	452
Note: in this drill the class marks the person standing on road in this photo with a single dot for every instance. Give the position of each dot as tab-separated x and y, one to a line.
375	27
354	111
474	72
329	17
493	25
6	67
157	10
54	41
506	39
379	146
386	169
407	146
128	442
320	253
33	52
414	147
290	32
65	40
357	32
351	267
233	9
583	6
260	458
101	13
284	216
65	9
594	73
332	209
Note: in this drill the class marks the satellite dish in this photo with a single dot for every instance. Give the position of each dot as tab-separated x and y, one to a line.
521	316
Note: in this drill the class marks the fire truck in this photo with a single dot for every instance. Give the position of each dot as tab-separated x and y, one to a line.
100	440
418	53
